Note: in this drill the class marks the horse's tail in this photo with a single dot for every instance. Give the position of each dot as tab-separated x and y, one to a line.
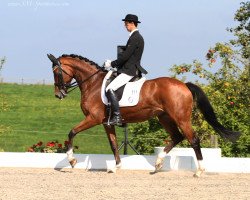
208	112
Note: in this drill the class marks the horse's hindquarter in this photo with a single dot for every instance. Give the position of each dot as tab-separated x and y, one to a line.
173	91
160	95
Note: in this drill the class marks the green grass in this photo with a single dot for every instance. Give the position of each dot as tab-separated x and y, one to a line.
33	114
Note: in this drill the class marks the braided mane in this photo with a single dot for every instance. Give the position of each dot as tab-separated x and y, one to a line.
82	58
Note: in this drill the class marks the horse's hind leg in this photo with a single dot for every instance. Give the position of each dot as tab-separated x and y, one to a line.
197	149
176	137
195	143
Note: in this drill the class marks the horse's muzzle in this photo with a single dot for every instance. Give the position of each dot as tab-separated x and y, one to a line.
61	94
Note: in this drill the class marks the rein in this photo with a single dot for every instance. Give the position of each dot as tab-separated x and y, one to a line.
74	85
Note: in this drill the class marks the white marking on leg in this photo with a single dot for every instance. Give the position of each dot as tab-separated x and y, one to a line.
200	169
162	154
111	166
70	154
200	164
159	160
119	165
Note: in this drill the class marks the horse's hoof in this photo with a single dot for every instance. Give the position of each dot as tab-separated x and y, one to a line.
154	172
159	163
73	162
158	167
198	173
112	170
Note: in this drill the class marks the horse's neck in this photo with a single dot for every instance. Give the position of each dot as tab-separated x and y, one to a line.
88	78
91	90
83	72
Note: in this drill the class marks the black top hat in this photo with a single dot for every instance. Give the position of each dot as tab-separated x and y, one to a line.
132	18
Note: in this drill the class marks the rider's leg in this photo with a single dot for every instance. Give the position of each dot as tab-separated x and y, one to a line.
116	115
114	85
119	81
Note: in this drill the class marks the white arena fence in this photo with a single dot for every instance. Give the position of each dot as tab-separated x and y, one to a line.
177	159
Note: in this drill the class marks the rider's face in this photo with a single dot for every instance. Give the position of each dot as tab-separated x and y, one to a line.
129	26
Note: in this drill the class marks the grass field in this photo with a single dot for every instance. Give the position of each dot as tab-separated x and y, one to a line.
33	114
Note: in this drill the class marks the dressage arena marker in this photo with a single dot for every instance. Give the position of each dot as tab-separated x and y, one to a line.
177	159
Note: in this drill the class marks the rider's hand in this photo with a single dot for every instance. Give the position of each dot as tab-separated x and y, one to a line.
107	64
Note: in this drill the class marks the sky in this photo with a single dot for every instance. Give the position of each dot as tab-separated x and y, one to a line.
174	32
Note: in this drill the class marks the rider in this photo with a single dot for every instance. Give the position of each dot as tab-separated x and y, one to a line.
128	65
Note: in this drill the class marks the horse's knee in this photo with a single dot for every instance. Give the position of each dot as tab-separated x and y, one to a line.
114	147
71	135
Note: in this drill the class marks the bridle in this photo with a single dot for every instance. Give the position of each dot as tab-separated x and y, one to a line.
65	86
61	84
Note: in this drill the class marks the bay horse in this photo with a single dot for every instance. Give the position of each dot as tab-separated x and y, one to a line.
168	99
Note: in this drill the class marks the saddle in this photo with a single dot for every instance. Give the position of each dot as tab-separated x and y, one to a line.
127	95
120	90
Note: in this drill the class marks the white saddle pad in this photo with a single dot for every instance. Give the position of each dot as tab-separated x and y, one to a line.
131	93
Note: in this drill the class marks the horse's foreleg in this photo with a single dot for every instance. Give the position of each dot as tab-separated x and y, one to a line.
88	122
72	160
110	130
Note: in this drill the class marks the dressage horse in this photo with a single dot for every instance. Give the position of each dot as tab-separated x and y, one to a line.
168	99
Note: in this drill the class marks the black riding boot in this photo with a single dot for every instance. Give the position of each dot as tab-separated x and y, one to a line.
116	115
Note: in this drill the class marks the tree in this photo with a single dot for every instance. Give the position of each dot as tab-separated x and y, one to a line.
227	90
2	61
148	135
242	31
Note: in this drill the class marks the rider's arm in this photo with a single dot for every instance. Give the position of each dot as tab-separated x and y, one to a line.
130	48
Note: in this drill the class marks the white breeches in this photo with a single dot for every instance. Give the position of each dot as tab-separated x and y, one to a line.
119	81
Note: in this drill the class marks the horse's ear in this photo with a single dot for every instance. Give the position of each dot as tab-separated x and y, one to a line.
53	59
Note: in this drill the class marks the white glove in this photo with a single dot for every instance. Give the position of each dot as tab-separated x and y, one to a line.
107	64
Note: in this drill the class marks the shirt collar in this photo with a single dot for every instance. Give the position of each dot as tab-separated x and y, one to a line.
133	31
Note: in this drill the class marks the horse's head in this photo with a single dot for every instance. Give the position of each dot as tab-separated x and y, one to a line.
62	77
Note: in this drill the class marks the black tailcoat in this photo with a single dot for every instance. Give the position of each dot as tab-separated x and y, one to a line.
129	62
